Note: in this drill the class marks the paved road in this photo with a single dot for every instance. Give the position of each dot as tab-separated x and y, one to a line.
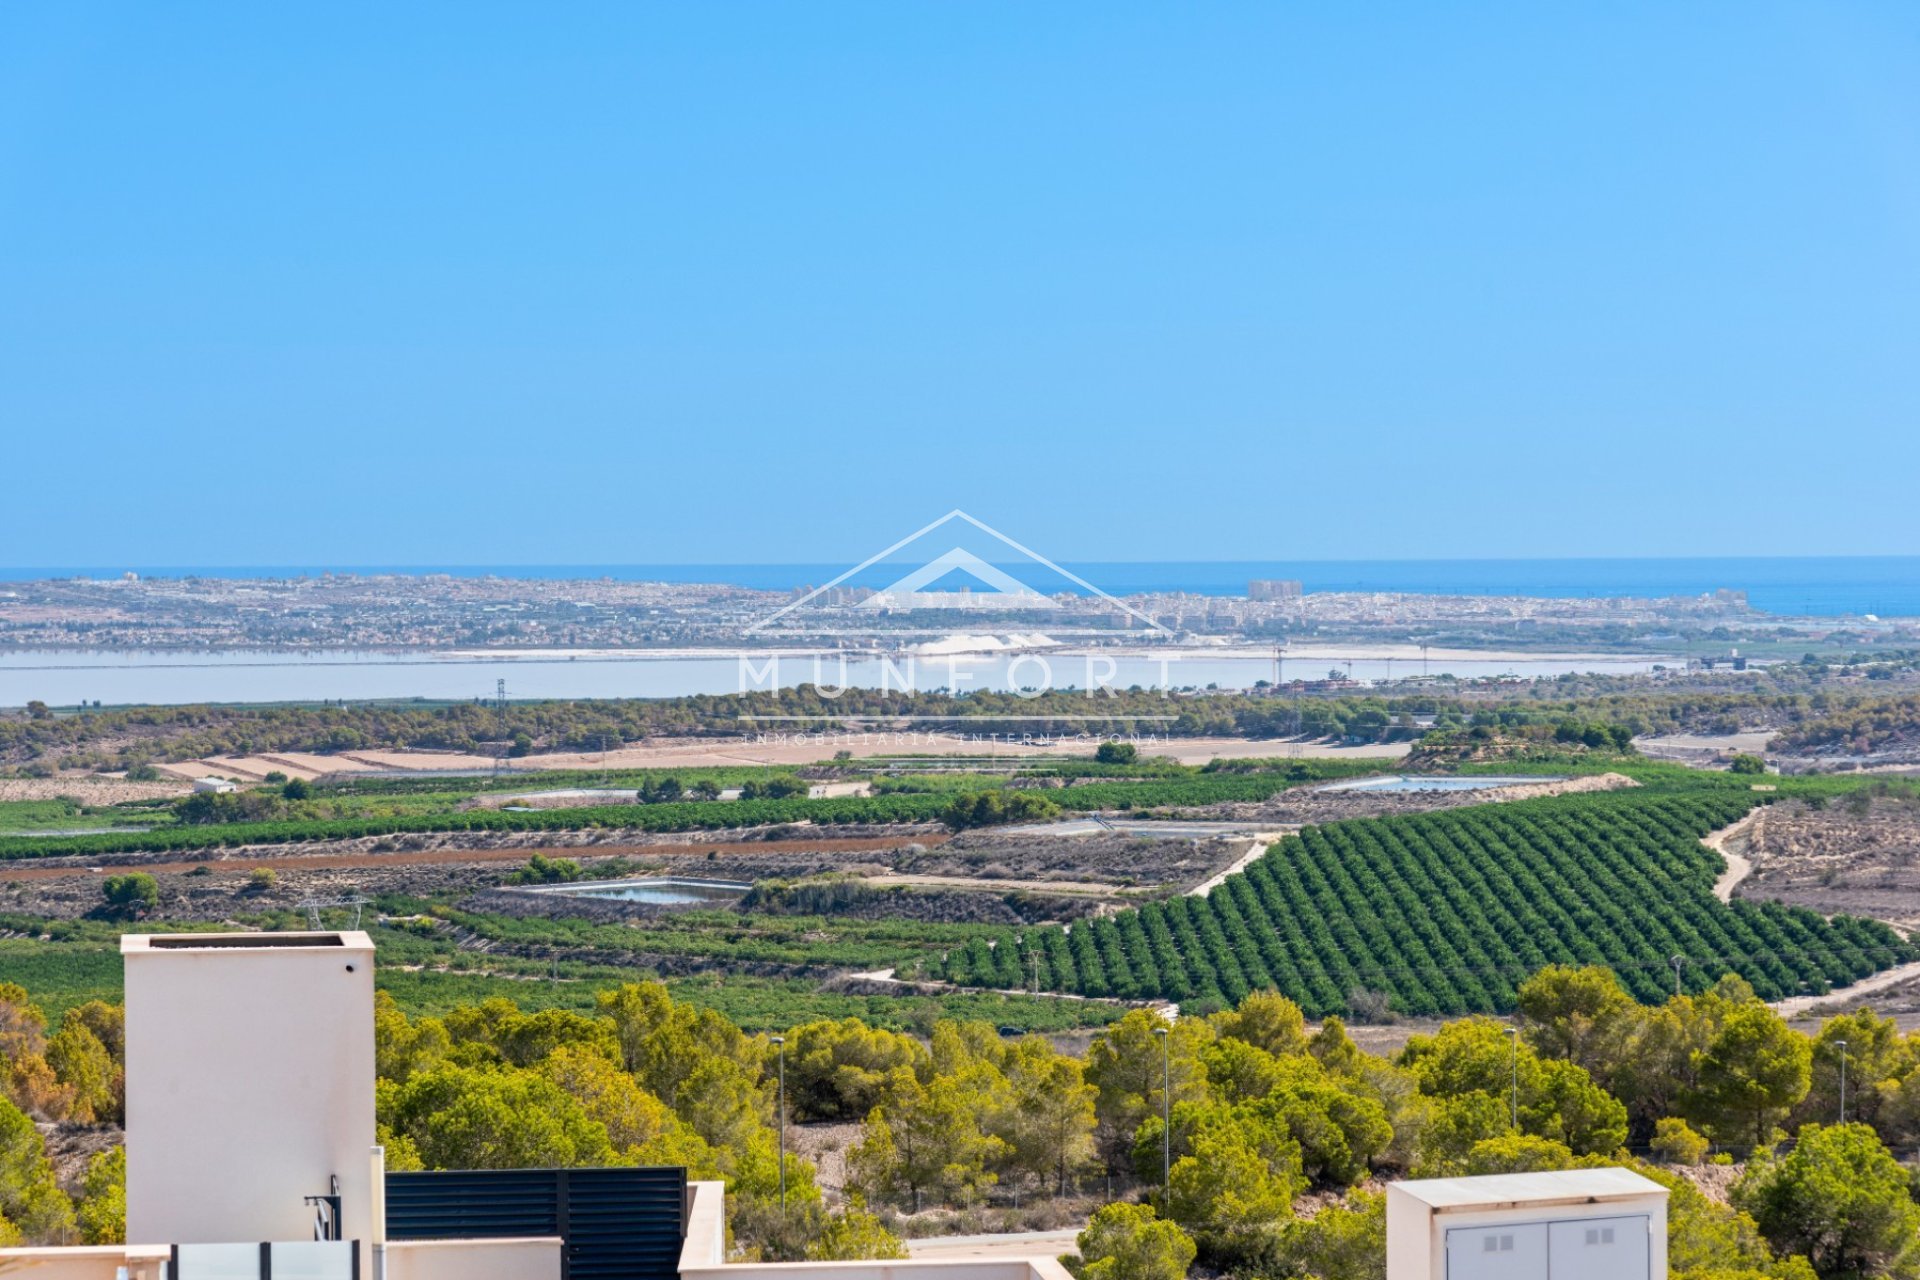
1020	1244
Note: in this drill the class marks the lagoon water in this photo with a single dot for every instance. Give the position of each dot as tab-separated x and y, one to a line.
164	679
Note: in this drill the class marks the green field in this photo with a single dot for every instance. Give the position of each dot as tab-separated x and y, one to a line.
22	816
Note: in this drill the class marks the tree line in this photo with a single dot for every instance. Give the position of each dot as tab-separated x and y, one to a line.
1207	1134
132	737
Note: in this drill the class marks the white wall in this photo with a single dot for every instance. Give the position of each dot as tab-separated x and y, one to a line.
249	1083
528	1258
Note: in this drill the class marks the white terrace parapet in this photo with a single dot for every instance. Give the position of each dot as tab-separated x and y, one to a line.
84	1262
493	1258
704	1256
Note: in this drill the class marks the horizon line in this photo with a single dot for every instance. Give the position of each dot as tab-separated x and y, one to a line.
65	571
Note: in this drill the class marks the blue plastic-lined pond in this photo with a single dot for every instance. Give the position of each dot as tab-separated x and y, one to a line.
659	891
1414	782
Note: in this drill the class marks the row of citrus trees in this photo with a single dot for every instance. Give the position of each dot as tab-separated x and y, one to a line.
1149	793
1446	912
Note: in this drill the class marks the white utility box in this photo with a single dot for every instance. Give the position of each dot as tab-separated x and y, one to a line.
1581	1224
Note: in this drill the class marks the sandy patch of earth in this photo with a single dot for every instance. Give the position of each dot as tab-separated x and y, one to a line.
1204	750
88	789
1700	748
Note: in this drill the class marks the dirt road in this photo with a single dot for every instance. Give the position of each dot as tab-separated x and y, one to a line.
1739	866
1794	1005
1260	844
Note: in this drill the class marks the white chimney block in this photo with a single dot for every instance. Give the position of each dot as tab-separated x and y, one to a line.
250	1067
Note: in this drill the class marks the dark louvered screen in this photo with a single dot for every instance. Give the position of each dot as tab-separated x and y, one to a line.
618	1224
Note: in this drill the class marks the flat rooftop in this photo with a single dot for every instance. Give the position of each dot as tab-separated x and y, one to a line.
1503	1190
349	939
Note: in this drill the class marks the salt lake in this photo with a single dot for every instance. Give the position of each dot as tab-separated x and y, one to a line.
172	678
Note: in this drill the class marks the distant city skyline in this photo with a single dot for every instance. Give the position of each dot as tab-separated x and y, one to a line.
674	284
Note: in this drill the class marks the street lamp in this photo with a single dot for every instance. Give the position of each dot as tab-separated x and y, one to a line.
1166	1114
780	1047
1514	1032
1842	1046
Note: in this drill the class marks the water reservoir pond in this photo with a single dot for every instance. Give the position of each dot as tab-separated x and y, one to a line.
659	891
1413	782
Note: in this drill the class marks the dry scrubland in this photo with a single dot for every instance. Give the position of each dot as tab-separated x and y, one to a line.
1860	856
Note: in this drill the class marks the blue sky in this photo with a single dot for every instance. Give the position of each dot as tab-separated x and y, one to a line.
623	283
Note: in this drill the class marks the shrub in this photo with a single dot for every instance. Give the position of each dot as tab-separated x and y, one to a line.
994	808
541	869
1130	1242
135	893
1675	1142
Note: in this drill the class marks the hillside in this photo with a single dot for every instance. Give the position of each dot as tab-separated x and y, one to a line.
1876	729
